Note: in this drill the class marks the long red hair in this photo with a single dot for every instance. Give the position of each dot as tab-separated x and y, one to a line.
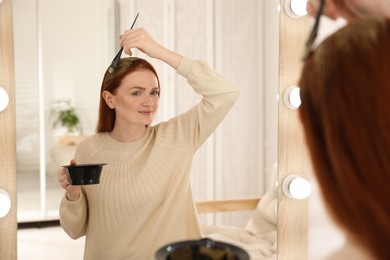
345	112
111	82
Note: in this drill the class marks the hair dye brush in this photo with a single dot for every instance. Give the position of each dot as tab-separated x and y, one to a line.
115	61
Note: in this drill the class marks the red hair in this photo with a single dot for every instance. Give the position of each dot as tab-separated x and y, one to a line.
345	112
111	83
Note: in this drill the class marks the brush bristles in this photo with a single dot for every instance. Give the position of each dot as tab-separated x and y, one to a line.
111	69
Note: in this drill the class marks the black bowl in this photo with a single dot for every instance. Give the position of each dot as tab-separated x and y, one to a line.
201	249
85	174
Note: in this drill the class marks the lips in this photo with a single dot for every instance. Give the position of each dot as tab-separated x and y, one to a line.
146	113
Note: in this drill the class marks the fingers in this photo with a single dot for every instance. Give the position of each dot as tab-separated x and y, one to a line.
357	9
312	7
345	9
132	33
140	39
348	9
330	9
63	178
122	40
72	192
131	39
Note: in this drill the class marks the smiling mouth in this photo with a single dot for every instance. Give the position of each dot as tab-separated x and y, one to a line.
146	113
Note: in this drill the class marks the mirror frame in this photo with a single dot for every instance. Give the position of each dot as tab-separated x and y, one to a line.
8	224
293	156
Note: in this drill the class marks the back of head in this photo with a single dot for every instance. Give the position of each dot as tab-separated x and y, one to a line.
345	112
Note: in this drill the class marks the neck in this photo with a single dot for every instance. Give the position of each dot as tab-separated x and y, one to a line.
129	134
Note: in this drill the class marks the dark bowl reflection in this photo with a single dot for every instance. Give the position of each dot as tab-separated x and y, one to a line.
85	174
201	249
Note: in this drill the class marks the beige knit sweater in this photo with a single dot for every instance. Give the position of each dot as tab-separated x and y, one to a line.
144	198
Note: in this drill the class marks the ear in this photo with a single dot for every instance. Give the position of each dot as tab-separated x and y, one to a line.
109	98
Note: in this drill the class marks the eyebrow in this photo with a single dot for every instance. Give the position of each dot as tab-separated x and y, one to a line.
142	88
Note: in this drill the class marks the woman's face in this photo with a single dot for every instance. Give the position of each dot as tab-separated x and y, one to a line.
136	100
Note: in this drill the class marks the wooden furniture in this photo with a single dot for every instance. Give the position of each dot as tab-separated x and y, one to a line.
227	205
292	153
258	236
8	223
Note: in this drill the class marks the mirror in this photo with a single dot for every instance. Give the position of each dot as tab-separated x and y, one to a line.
70	45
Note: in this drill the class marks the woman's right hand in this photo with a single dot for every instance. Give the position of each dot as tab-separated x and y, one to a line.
139	38
350	9
72	192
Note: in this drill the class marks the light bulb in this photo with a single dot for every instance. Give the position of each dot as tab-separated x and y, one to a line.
5	203
4	99
296	187
292	98
295	8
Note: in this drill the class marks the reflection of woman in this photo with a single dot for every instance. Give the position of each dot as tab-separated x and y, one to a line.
345	112
144	197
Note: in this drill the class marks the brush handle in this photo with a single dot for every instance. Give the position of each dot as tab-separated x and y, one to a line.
115	61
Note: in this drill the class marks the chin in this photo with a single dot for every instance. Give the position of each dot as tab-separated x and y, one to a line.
149	122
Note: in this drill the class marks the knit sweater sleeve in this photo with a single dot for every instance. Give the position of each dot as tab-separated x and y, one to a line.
219	95
73	216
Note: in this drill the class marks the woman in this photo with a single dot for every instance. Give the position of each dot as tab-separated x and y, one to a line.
345	111
144	198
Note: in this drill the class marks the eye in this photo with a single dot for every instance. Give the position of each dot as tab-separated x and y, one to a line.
136	93
155	93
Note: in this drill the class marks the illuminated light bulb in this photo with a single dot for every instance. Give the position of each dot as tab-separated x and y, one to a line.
295	8
5	203
292	98
4	99
296	187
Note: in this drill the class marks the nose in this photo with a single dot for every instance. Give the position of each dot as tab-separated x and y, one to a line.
148	101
